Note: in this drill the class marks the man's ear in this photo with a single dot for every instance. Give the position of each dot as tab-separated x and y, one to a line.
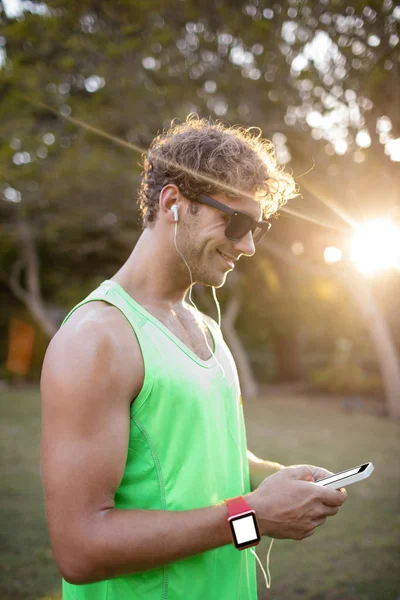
169	196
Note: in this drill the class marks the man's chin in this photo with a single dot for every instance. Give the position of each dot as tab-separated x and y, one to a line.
216	281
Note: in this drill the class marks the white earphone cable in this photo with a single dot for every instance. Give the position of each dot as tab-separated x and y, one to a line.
268	579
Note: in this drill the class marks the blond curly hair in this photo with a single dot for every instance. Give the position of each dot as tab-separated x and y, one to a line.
201	156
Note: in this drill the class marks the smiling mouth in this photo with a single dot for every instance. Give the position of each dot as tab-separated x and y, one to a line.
228	261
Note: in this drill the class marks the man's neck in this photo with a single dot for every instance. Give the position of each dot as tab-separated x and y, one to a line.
148	276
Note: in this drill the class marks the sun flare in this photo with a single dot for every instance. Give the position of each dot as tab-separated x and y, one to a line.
376	247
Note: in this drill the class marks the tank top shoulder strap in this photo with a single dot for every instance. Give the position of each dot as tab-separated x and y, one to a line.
105	292
109	294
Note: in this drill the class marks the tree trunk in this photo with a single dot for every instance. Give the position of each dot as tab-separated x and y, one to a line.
287	352
30	296
375	324
247	380
248	383
380	335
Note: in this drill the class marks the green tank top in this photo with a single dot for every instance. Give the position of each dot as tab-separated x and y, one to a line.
186	428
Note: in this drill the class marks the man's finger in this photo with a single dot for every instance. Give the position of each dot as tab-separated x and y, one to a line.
334	497
331	511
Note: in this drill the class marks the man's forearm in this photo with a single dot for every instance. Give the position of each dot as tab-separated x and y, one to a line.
120	542
260	469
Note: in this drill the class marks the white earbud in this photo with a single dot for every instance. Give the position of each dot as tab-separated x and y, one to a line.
174	209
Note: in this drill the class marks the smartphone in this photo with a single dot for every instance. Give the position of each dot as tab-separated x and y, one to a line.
345	478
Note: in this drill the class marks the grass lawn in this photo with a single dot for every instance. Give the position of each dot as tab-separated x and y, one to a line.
356	554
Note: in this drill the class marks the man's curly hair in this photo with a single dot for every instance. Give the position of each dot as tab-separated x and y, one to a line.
201	156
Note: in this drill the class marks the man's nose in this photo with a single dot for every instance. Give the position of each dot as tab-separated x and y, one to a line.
245	245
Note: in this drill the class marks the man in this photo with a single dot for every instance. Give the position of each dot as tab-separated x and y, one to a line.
144	446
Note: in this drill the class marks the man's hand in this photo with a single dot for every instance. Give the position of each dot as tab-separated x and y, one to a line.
288	507
320	473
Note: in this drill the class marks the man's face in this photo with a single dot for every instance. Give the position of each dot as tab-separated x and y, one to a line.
203	240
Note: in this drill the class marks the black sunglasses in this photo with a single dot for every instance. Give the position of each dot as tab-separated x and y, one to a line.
240	223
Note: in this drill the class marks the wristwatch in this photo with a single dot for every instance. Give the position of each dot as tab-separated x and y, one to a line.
243	523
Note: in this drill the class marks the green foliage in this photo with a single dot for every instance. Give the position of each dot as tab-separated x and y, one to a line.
347	378
78	191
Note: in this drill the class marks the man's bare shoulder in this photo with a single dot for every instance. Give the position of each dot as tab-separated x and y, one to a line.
100	327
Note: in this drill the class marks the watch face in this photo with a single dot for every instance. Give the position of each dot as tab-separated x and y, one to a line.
245	531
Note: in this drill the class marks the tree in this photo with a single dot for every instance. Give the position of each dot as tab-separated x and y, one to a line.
294	68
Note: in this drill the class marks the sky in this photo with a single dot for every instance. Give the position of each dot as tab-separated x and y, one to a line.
15	8
12	7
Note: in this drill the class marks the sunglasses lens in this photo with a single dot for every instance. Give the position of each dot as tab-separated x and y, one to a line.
239	226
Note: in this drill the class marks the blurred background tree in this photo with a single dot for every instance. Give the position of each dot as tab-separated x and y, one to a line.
321	79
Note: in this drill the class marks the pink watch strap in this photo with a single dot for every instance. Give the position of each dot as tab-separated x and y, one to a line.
237	505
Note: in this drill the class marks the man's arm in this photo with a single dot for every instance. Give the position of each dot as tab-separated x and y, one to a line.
260	469
86	390
86	395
